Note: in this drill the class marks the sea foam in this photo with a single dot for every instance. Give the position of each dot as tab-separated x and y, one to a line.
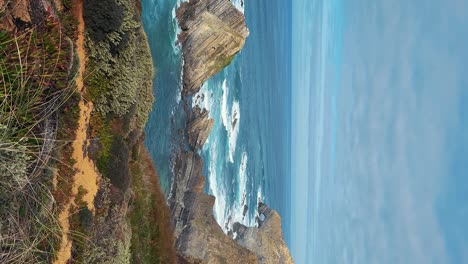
239	4
236	212
230	119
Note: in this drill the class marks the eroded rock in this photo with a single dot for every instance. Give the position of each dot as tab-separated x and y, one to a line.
213	31
266	240
198	127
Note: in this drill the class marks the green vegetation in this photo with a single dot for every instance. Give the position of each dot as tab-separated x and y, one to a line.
81	222
105	17
120	69
68	21
119	82
223	64
152	239
35	86
38	121
109	239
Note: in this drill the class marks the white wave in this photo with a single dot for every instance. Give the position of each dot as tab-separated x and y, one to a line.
176	31
230	120
260	197
239	4
224	102
203	99
242	201
181	82
243	178
180	2
235	213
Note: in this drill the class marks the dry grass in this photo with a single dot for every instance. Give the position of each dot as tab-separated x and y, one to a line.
153	237
33	88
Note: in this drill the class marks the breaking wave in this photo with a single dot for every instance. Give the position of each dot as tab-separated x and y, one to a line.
230	119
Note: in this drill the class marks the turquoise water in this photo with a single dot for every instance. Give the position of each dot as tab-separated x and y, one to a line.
246	158
161	130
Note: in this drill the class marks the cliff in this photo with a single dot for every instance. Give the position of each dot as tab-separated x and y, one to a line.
198	235
266	240
213	31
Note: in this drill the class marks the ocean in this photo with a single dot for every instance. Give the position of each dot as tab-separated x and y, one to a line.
247	155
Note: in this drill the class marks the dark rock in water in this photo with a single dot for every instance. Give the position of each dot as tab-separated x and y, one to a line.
213	31
234	122
267	239
198	127
246	209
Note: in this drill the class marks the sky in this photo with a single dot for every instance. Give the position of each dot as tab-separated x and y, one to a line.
379	154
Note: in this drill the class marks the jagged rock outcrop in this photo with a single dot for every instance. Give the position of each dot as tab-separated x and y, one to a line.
198	127
213	31
199	237
188	177
266	240
202	237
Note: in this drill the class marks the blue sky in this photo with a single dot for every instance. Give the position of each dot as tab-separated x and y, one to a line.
380	132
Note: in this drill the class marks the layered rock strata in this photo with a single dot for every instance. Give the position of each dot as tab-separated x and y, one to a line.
198	127
213	31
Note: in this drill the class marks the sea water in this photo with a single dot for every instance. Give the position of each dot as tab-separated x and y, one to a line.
246	157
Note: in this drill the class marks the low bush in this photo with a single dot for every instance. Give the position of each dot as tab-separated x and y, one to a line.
102	17
120	69
118	167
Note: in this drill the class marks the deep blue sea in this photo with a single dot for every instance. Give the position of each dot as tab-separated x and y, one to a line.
244	161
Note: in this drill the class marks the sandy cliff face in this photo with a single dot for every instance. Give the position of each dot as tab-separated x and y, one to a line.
213	31
266	240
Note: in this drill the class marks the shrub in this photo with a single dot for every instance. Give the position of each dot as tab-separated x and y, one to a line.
118	166
120	68
102	17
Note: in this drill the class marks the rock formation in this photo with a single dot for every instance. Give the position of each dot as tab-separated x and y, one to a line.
266	240
202	237
213	31
198	127
199	237
188	177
